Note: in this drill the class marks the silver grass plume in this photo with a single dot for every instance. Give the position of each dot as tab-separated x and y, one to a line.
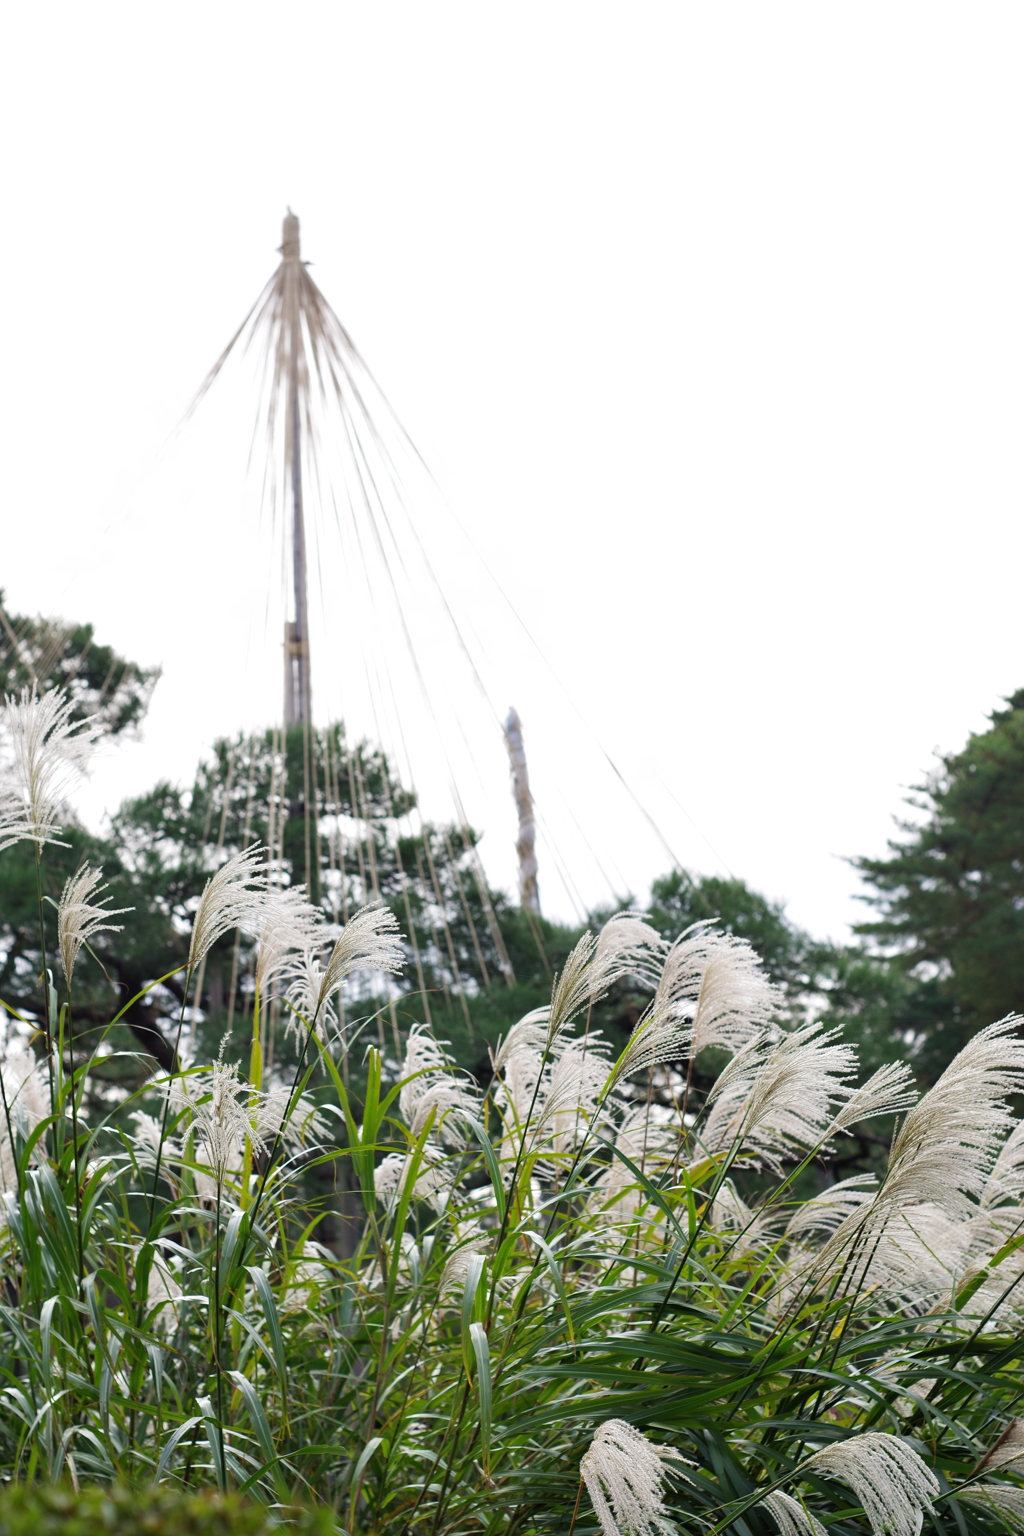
28	1102
574	1086
624	1473
433	1180
48	750
791	1517
1008	1447
627	945
1002	1499
528	1034
519	1063
15	826
895	1487
657	1037
234	897
770	1100
647	1143
713	991
953	1132
222	1112
889	1091
287	925
571	989
736	1000
79	918
948	1143
430	1086
731	1213
716	982
305	978
1006	1181
304	1125
824	1212
453	1276
369	941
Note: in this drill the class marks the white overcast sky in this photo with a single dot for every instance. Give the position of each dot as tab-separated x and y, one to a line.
707	319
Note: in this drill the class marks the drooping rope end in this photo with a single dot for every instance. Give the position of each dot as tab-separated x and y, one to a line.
290	237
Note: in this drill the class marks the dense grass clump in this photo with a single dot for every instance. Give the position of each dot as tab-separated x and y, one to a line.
41	1510
584	1296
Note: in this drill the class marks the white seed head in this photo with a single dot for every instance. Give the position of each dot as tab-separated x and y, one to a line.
949	1143
1008	1447
78	918
305	980
627	946
889	1091
571	989
824	1212
288	924
222	1112
28	1102
1006	1181
369	941
791	1517
657	1037
47	750
717	984
894	1485
624	1473
776	1098
1002	1499
234	897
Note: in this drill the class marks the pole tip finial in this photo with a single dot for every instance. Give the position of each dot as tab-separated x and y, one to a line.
290	237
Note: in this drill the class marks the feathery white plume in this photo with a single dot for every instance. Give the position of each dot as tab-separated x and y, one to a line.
146	1138
78	918
48	750
433	1181
14	823
657	1037
649	1145
791	1517
893	1484
368	941
716	982
889	1091
773	1103
529	1034
1008	1447
736	999
233	898
429	1085
731	1213
1002	1499
824	1212
453	1277
28	1102
574	1087
629	946
287	924
1006	1181
163	1295
571	988
305	1123
222	1112
624	1473
948	1143
305	978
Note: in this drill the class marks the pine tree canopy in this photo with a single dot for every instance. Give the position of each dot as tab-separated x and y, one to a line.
950	894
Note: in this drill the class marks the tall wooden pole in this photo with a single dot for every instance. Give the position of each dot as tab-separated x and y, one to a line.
297	710
529	896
